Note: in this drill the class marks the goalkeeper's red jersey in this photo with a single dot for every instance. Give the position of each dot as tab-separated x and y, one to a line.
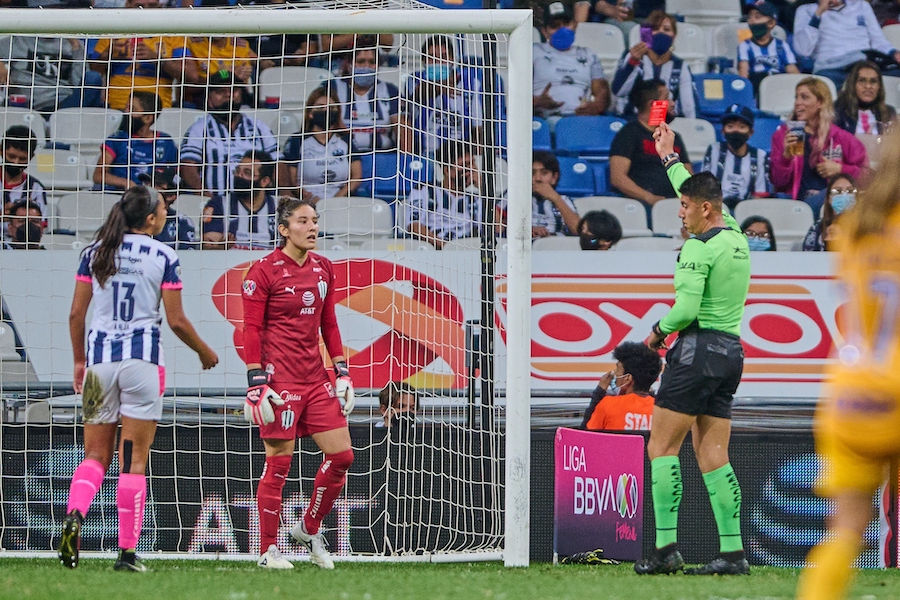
285	307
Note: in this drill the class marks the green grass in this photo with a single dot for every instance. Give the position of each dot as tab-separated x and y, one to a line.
95	580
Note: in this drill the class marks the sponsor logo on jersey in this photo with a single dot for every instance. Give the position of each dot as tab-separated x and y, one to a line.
308	310
278	263
290	289
287	418
308	298
249	287
289	397
323	289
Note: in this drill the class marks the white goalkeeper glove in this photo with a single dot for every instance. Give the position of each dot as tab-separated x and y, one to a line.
260	398
343	387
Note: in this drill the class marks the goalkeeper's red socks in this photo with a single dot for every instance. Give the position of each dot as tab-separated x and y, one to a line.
268	498
85	482
131	496
327	487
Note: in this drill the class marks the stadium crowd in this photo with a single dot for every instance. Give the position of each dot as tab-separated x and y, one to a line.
201	108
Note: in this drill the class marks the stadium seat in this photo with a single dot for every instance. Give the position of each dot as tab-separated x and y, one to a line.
535	35
355	216
776	92
605	40
576	178
396	174
652	244
602	187
176	121
191	206
540	135
283	123
630	212
726	38
690	45
395	244
705	12
472	243
557	242
892	33
717	91
291	85
763	128
8	343
697	134
12	115
790	218
587	136
892	89
82	213
664	217
62	241
61	170
84	129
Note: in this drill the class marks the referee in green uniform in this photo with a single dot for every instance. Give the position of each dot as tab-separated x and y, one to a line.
703	369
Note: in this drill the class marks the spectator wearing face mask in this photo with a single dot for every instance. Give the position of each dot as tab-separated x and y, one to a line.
599	230
763	54
656	60
568	79
840	198
399	403
19	145
835	33
23	229
742	169
623	400
760	234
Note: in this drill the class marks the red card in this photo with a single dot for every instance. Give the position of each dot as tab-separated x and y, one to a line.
658	110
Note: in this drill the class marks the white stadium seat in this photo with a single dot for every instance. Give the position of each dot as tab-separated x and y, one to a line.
630	212
472	243
291	85
892	33
705	12
697	134
61	170
283	123
648	244
84	129
191	206
83	212
12	115
790	218
8	343
556	242
664	217
62	241
892	90
776	92
395	245
176	121
355	216
605	40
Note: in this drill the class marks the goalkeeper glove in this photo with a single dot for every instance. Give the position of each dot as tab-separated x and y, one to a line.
260	398
343	387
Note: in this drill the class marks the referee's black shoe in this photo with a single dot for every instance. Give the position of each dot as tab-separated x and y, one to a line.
729	563
663	561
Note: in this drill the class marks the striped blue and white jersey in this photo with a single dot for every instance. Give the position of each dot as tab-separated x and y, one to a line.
771	58
125	323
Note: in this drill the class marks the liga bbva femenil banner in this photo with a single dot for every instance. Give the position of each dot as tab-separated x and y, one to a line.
598	493
405	313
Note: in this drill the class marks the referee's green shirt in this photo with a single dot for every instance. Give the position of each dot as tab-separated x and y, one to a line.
712	277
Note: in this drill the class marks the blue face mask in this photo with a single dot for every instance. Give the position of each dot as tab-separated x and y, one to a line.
759	244
563	38
613	389
841	202
364	76
437	72
661	42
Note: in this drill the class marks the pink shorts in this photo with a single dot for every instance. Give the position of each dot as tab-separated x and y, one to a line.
307	409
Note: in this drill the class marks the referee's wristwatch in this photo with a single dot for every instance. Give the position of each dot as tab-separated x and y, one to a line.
669	159
657	330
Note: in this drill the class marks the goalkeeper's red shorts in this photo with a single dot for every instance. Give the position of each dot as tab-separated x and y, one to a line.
307	409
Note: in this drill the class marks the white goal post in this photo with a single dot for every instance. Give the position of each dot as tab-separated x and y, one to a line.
517	24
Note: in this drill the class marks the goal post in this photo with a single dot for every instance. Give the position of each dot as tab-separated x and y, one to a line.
388	18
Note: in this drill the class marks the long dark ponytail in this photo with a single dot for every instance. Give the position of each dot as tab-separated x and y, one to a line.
130	212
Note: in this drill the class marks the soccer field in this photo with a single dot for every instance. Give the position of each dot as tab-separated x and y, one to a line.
95	580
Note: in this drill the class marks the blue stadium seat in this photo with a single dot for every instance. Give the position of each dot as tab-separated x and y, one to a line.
540	135
587	136
763	128
576	177
717	91
365	188
412	172
602	186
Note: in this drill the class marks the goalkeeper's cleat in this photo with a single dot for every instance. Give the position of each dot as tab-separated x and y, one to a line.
662	562
128	561
70	541
592	557
721	565
272	559
318	555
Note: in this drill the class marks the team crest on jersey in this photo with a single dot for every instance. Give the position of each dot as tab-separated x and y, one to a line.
287	418
323	289
308	298
286	274
278	263
329	389
249	287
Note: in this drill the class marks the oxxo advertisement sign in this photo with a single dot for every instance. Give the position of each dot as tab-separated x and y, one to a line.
598	493
402	316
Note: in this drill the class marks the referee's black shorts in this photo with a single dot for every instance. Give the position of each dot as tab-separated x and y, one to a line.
703	370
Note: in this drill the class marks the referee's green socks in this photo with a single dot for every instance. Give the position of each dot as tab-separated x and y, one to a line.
666	489
725	497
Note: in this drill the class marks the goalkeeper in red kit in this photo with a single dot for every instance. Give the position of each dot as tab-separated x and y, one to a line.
288	299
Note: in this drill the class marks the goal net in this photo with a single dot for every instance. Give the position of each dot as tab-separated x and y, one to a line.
400	122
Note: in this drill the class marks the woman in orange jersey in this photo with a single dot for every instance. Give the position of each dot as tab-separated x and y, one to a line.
627	403
859	416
